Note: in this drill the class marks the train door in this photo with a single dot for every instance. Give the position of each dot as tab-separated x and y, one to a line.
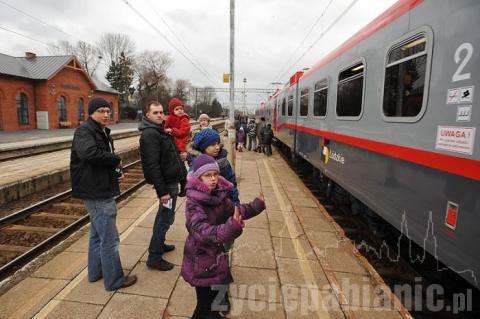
275	110
295	117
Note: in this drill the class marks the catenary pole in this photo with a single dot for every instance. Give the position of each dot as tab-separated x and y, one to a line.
231	130
232	60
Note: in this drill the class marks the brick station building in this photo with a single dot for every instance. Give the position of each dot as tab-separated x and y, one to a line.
47	92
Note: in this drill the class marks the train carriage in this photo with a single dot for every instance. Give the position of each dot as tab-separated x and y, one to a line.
390	116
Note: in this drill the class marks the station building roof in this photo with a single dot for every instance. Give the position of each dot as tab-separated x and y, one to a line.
36	67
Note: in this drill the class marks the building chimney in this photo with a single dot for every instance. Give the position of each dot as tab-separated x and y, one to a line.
30	55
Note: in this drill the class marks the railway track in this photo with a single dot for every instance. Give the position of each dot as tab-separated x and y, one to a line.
381	247
28	232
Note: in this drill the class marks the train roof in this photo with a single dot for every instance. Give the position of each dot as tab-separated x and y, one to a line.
381	21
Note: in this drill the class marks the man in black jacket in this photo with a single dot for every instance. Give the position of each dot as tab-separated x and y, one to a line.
93	165
163	168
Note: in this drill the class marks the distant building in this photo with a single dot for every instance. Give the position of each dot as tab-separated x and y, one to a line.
47	92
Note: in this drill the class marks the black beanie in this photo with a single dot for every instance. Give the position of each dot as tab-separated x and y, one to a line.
97	103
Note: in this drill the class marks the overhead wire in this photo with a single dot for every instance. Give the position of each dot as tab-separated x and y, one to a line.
27	37
178	38
35	18
339	17
304	39
168	40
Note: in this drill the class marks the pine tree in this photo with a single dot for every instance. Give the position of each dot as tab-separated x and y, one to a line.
120	76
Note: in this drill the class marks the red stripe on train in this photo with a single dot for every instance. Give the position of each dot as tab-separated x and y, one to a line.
456	165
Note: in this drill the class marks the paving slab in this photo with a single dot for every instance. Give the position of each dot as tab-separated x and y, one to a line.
342	259
79	246
87	292
255	309
133	306
265	285
319	223
288	248
131	254
259	221
301	273
183	300
37	291
279	216
285	229
65	265
74	310
359	291
152	282
138	236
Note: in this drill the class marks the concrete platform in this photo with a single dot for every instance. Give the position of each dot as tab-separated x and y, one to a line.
30	142
27	175
292	261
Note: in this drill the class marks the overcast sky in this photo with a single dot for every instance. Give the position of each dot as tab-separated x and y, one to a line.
267	34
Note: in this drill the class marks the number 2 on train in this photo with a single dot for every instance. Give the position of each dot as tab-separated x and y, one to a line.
458	76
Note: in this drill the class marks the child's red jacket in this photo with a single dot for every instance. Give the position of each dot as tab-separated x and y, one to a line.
180	126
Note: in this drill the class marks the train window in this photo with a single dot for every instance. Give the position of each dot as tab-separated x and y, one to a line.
284	112
350	91
290	105
320	99
304	102
405	78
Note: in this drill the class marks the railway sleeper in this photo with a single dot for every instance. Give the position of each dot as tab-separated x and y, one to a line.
30	229
13	249
43	215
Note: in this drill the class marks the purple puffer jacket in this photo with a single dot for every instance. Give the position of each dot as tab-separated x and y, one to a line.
210	224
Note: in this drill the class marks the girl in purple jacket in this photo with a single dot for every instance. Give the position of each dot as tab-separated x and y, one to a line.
212	219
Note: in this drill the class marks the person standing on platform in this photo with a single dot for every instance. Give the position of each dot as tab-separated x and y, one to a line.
241	138
252	135
203	123
95	173
260	127
163	168
207	141
212	220
267	137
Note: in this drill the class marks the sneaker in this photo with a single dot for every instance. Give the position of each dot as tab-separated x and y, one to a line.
128	281
161	265
167	248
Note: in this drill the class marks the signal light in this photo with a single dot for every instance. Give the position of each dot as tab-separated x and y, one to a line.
451	216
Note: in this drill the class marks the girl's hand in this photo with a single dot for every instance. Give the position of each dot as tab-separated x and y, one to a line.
168	130
261	196
237	216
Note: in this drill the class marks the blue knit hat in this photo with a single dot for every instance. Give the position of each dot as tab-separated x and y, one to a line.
204	138
204	163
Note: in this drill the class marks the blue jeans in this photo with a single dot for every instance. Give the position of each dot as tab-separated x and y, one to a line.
103	254
164	219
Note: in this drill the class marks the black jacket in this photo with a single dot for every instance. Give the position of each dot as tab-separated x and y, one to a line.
161	162
92	163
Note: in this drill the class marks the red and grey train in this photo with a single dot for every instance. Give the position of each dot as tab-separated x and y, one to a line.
391	116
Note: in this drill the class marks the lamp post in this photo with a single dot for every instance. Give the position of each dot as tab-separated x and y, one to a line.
244	97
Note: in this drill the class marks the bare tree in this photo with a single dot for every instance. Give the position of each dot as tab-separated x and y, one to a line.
86	53
151	70
111	46
61	48
182	88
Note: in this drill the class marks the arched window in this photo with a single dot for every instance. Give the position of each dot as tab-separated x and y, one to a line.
81	115
22	109
62	109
